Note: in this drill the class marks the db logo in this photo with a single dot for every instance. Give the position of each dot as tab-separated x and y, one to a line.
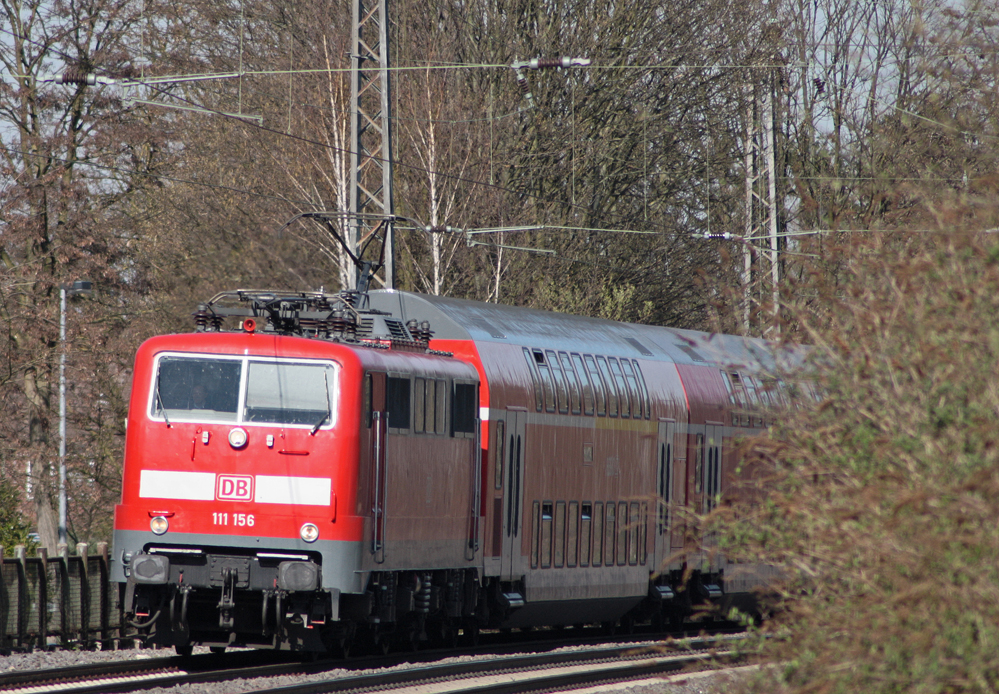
234	487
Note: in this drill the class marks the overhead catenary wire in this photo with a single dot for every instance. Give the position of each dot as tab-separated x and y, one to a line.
152	81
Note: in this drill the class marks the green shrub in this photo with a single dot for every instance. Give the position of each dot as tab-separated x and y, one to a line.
13	528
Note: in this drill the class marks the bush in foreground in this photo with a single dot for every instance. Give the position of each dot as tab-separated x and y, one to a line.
882	502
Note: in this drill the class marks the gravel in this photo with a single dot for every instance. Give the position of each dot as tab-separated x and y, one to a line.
695	683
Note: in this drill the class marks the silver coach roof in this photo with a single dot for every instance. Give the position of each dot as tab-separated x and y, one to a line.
458	319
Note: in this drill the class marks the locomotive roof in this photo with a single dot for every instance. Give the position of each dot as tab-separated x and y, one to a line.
458	319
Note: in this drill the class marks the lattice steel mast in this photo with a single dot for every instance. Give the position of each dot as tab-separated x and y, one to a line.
371	208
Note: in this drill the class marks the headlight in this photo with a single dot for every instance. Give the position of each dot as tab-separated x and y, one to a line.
309	532
159	525
237	437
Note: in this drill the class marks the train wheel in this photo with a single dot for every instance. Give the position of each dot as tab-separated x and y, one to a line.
471	632
443	633
217	649
383	644
184	651
413	638
449	635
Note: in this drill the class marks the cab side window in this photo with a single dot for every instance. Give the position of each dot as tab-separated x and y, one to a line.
463	406
398	403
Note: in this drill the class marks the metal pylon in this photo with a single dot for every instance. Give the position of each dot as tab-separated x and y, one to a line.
762	208
370	130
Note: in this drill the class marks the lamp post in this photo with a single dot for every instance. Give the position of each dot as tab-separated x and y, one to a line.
76	288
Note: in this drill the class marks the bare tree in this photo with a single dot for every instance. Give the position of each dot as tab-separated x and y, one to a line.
70	155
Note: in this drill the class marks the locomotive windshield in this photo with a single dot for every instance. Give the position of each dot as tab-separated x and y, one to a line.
220	389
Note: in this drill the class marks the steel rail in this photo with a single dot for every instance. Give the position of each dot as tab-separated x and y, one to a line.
136	675
580	667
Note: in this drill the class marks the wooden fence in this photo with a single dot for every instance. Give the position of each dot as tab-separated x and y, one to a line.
61	601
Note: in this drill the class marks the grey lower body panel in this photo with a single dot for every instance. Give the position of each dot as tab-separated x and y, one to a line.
340	560
568	612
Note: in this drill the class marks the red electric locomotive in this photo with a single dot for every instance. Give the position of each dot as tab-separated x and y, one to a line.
333	466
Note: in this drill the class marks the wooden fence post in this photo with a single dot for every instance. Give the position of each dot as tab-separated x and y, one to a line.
85	595
4	608
23	601
105	602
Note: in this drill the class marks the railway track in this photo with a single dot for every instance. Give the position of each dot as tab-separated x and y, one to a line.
554	669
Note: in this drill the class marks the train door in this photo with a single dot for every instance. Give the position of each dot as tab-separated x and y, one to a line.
376	416
513	494
665	490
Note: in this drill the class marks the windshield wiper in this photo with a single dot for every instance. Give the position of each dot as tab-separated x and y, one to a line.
329	408
159	401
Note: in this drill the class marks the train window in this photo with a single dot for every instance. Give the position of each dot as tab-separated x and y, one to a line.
750	385
533	368
419	404
698	462
204	389
665	484
440	418
738	390
570	374
561	387
634	522
598	532
612	392
712	475
535	534
397	403
429	405
559	534
622	387
463	410
623	532
498	454
585	380
643	524
609	534
645	391
772	391
585	523
546	534
598	386
288	393
762	392
547	383
572	539
728	387
636	394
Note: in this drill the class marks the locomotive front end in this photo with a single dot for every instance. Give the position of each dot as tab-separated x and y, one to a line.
228	531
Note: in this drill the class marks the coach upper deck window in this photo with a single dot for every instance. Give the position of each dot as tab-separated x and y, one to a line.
612	393
585	380
570	374
546	380
532	365
561	385
249	390
622	387
598	385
